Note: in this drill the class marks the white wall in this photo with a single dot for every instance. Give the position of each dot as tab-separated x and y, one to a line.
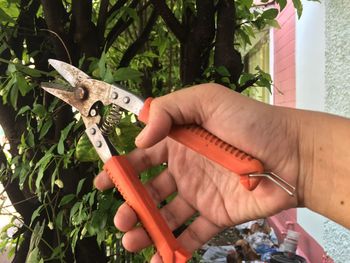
322	84
337	101
310	57
310	86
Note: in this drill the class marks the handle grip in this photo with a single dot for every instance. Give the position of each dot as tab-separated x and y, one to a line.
210	146
127	182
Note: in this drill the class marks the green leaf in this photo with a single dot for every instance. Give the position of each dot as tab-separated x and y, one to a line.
264	83
35	239
23	110
30	138
22	84
74	235
108	77
273	23
30	71
64	134
66	199
39	110
150	54
14	96
245	37
245	77
249	30
124	139
123	74
223	71
132	13
102	65
270	13
74	210
298	6
162	46
54	175
45	128
282	4
4	17
36	213
59	220
84	151
92	198
247	3
80	185
43	162
33	256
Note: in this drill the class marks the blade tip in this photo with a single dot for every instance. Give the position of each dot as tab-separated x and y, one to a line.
52	61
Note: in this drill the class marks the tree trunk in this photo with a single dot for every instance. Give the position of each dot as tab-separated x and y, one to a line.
194	50
225	53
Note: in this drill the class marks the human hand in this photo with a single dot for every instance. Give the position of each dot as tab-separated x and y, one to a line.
202	186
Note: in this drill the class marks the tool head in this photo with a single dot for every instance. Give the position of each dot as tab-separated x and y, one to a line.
84	92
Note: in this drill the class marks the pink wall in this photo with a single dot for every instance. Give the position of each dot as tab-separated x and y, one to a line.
284	58
284	92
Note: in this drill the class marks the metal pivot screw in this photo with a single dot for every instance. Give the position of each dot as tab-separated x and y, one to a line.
93	112
98	144
126	100
114	95
80	93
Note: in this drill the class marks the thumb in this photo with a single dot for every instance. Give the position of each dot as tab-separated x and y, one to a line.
158	124
180	107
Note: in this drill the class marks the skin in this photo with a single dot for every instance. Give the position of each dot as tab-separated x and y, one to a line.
310	150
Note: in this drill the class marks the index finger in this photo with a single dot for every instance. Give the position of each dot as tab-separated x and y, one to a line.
140	159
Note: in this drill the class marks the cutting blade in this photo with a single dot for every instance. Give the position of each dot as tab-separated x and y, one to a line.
70	73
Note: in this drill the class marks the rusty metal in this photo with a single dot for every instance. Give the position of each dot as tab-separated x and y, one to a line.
86	95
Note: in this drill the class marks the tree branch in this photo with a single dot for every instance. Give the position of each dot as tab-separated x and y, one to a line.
85	34
135	47
170	20
120	26
116	7
56	17
246	85
101	21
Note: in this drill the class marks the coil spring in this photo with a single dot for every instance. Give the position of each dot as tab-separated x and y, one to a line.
111	120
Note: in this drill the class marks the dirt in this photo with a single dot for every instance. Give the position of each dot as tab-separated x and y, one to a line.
227	237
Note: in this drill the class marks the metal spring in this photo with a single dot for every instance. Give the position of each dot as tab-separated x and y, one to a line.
111	120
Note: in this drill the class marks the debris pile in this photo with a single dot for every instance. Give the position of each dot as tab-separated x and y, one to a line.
255	241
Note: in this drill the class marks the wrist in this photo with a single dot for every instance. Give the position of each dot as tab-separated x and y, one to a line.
323	178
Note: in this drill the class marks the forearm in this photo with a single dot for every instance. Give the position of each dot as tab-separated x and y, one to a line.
324	174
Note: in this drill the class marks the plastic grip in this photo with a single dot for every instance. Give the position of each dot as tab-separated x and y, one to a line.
210	146
127	182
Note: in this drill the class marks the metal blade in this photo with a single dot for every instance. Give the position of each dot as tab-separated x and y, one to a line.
62	92
70	73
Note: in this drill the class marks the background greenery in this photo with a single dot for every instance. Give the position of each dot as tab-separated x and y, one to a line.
152	48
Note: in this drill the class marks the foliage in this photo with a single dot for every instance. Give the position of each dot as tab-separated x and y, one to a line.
151	48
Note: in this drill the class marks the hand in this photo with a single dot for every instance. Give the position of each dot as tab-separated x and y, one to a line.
202	186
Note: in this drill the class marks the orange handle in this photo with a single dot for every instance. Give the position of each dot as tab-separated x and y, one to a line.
126	180
207	144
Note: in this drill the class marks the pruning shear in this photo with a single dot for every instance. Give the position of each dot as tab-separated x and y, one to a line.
87	94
